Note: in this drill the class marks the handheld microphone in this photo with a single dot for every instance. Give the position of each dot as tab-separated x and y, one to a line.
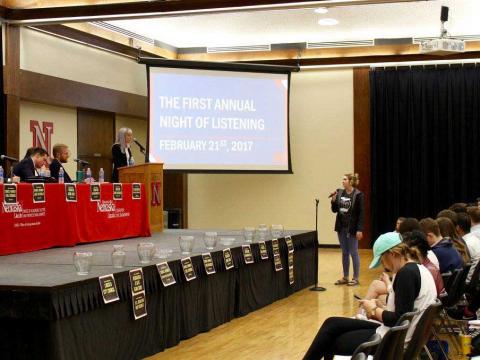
81	162
5	157
332	194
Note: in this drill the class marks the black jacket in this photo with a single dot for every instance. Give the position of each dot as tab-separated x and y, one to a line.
24	169
356	211
55	168
119	160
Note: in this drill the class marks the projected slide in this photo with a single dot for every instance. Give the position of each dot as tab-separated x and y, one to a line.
218	120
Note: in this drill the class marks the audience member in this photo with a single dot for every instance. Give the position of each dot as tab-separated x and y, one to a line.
448	257
61	153
447	230
458	208
412	288
471	239
411	224
398	223
452	215
28	166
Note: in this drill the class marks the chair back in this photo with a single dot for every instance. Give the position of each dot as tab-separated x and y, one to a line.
368	347
423	331
393	342
407	316
457	287
474	280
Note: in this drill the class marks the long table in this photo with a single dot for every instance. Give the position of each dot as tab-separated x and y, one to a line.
49	312
29	225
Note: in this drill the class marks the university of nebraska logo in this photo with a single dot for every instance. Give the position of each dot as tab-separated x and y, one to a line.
156	189
42	135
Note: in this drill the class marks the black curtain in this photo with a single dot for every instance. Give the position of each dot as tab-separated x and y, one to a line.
425	141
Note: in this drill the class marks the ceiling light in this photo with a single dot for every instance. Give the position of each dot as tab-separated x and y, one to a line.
328	22
321	10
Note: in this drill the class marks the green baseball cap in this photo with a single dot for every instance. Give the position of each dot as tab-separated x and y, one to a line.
384	243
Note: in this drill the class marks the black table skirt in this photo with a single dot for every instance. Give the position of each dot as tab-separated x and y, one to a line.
71	322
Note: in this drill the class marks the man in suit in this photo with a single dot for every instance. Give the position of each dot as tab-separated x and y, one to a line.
27	167
61	153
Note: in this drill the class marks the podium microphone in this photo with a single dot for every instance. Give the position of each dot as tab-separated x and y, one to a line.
5	157
142	148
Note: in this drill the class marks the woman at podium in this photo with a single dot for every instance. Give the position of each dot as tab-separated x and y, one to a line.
121	152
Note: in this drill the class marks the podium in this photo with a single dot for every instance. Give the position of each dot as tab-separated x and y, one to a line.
151	175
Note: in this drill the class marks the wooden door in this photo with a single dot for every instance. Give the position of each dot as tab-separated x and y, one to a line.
95	136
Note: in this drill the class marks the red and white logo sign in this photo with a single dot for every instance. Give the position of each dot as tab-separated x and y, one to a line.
156	190
42	134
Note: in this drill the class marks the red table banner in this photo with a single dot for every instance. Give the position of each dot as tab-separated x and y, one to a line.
29	226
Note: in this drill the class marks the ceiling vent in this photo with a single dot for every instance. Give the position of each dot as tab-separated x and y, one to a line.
129	34
246	48
337	44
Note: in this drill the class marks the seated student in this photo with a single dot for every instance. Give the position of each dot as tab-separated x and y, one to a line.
471	239
28	166
61	153
458	208
399	222
410	224
412	288
417	239
448	257
447	230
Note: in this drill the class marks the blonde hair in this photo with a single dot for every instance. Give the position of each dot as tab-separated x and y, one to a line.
353	179
406	252
121	138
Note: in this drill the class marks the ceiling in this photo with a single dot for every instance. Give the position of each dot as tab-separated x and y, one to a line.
359	22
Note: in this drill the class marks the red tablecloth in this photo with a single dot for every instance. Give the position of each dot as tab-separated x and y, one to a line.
28	226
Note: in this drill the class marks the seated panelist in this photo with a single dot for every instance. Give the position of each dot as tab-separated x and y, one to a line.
61	153
28	166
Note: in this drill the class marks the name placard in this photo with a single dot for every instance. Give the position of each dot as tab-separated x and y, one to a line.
10	194
188	269
291	278
275	247
136	191
166	274
263	250
94	192
38	193
228	258
139	303
277	263
136	280
288	240
108	287
117	191
247	254
208	263
70	192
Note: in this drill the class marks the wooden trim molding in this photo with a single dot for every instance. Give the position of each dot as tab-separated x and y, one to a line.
362	144
52	90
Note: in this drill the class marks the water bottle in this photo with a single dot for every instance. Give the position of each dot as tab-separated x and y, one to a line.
1	175
88	178
61	176
101	176
131	161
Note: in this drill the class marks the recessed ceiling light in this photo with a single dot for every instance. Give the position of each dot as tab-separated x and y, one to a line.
321	10
328	22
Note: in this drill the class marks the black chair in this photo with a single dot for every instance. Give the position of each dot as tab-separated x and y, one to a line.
422	332
393	342
368	347
471	288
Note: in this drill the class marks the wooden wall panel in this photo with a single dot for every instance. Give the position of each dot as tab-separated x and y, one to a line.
56	91
362	144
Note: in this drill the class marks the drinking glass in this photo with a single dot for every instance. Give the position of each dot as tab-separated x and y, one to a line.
118	256
186	243
82	260
249	233
277	231
145	252
210	239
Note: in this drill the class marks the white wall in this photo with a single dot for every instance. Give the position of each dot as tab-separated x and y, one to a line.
50	55
64	128
321	136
